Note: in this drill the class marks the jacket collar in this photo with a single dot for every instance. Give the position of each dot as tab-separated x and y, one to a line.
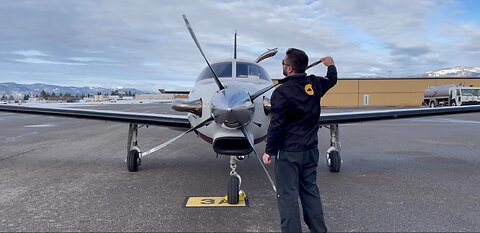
294	76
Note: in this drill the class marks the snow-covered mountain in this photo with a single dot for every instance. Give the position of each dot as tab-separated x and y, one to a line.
453	72
16	89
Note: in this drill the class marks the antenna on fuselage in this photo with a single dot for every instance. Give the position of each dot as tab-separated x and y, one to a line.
215	77
235	46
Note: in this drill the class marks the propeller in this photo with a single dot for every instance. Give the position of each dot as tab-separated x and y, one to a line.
203	123
262	91
249	138
215	77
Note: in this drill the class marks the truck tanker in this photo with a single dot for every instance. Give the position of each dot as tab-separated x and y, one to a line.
451	95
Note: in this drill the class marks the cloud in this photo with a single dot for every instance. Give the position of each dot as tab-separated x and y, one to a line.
43	61
117	40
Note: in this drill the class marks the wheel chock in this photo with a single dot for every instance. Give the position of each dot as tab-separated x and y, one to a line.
242	196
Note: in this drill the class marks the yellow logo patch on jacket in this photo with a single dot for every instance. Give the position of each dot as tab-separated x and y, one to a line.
309	89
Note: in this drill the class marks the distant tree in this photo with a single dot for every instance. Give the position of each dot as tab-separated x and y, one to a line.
43	94
11	97
4	98
114	92
53	94
26	97
60	94
99	93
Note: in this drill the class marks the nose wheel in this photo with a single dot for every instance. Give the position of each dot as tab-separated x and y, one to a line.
233	189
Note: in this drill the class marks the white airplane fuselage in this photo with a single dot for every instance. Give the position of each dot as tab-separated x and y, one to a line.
246	78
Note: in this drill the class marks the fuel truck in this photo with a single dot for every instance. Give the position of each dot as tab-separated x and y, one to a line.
451	95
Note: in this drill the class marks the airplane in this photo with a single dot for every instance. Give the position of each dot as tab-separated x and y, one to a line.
229	108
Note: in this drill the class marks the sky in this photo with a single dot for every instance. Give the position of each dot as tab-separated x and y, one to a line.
145	44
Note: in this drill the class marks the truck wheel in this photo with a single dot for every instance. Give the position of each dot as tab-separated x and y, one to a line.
453	103
432	104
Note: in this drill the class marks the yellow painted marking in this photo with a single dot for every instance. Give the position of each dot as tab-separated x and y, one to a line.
309	89
193	202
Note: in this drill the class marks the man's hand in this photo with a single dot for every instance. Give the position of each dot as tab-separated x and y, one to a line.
266	159
327	61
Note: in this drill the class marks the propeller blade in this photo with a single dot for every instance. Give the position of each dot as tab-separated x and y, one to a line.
260	92
205	122
314	64
215	77
249	138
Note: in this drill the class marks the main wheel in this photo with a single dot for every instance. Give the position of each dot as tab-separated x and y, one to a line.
133	161
453	103
334	161
233	189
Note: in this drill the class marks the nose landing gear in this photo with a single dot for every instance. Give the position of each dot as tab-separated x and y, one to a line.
234	183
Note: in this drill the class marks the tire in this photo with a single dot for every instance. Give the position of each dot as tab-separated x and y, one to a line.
335	161
233	189
453	103
133	161
432	104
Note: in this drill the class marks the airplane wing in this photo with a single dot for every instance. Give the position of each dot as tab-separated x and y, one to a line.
375	115
116	116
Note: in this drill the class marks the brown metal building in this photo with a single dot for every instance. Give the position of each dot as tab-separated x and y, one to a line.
383	92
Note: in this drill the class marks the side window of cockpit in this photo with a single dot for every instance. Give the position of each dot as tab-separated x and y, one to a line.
245	70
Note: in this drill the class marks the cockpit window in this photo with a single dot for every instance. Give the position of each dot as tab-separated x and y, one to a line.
249	70
222	69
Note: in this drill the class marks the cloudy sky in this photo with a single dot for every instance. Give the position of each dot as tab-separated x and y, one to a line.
145	44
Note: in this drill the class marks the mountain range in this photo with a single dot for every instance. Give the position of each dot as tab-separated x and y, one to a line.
454	72
18	90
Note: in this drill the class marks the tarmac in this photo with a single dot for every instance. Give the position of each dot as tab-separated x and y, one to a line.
59	174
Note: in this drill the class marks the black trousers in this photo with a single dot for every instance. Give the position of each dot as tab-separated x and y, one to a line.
296	175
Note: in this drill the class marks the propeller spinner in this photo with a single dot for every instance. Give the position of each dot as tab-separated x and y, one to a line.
232	107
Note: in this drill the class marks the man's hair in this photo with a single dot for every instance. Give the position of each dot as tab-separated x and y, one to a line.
298	59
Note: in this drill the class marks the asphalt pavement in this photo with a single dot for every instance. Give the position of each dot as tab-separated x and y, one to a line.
59	174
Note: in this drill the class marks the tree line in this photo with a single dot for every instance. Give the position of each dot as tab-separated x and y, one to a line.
46	95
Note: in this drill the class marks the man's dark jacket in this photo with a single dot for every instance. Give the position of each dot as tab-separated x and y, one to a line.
296	112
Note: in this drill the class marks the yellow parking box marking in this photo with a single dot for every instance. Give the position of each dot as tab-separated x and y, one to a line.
192	202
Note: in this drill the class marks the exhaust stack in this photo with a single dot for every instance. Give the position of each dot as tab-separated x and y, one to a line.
194	106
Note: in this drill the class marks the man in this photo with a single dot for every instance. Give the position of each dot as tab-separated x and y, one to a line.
292	138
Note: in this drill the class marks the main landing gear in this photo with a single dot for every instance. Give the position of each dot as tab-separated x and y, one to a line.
133	151
334	161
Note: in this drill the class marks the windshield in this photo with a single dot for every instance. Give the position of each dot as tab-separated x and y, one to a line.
249	70
222	69
470	92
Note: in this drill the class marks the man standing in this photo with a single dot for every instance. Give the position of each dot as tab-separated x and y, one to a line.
292	138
